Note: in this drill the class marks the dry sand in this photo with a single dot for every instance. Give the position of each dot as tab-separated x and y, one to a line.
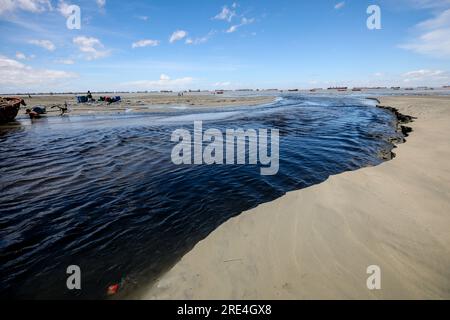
150	102
317	243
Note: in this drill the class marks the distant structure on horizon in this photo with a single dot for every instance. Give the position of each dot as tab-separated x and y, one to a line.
338	88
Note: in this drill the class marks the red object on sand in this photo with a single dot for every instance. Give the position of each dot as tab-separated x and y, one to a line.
112	290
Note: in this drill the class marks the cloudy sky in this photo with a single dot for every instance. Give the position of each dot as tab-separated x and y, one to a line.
210	44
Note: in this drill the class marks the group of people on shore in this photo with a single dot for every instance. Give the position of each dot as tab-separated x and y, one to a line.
89	98
38	112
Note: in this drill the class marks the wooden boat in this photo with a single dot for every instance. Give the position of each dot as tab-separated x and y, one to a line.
9	108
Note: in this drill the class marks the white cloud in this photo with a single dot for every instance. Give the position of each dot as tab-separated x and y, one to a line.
232	29
101	3
197	40
65	61
225	84
23	56
46	44
178	35
244	21
441	20
144	18
35	6
201	39
20	56
435	43
428	4
64	8
164	82
426	75
433	37
14	74
339	5
226	13
6	6
416	78
145	43
91	47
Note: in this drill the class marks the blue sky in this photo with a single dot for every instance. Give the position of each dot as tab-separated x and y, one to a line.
211	44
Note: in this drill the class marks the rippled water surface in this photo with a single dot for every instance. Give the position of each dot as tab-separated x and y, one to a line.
102	192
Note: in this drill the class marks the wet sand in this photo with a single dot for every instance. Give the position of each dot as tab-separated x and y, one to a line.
317	243
151	102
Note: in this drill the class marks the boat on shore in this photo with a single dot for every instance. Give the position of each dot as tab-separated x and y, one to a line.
9	108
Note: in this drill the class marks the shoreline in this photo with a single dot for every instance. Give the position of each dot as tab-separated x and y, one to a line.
316	243
142	103
401	121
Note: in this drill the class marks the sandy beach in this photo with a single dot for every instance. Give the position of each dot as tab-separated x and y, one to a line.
140	102
317	243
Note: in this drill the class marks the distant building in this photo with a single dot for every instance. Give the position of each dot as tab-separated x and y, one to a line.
338	88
